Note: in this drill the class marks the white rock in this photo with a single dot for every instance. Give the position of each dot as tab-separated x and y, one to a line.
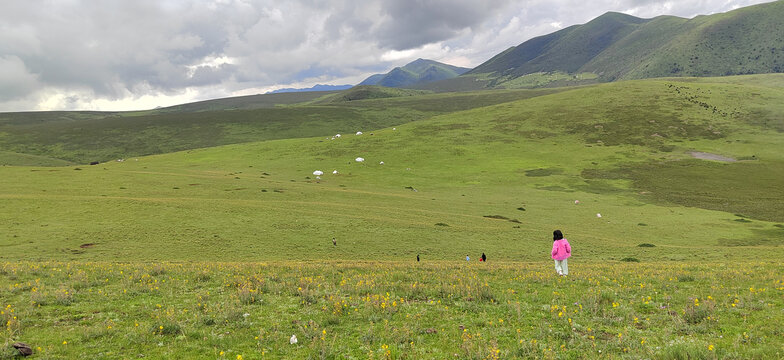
359	133
359	159
335	172
293	339
318	173
337	135
598	215
381	163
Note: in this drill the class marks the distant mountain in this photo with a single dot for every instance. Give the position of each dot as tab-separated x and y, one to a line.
416	72
616	46
318	87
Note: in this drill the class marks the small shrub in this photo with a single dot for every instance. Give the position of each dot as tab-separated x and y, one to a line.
696	313
646	245
38	298
248	296
521	208
685	278
168	328
500	217
157	269
642	224
442	224
630	259
64	296
682	351
203	276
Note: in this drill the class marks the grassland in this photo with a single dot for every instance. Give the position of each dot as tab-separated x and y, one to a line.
618	46
399	310
492	172
85	137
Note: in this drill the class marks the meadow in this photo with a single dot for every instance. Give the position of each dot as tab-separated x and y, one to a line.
393	310
164	255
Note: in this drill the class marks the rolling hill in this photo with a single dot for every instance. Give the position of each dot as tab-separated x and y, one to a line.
419	71
479	176
51	138
616	46
317	87
225	252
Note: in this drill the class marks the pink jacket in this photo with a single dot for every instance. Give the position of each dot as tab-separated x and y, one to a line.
561	249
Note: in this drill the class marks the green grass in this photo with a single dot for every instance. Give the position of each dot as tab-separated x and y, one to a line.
392	310
247	202
212	234
16	159
84	137
616	46
543	79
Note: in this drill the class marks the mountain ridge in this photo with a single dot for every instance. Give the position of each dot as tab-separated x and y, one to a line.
416	72
616	46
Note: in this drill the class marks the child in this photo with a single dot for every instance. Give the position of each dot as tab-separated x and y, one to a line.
561	251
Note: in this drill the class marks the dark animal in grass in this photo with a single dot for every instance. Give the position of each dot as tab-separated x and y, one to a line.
94	163
24	349
484	258
334	242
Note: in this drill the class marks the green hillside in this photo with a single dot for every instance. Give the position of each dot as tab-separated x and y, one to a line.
85	137
491	179
667	189
616	46
247	102
417	72
367	92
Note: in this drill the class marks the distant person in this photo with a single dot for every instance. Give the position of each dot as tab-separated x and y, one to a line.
417	257
334	242
468	258
483	258
561	251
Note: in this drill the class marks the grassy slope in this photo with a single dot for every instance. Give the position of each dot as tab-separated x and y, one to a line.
417	72
744	41
247	102
260	201
582	44
696	294
83	137
401	310
635	48
616	46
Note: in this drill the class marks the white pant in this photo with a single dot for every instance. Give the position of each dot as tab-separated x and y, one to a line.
561	267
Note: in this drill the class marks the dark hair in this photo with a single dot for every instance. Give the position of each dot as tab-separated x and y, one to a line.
557	235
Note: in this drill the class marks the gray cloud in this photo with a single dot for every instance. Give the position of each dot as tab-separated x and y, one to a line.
126	54
16	80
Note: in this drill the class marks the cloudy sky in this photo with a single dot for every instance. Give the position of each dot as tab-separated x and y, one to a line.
139	54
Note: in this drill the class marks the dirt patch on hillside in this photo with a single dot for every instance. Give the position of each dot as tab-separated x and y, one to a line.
709	156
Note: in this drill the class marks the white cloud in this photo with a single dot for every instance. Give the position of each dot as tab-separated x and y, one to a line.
118	54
